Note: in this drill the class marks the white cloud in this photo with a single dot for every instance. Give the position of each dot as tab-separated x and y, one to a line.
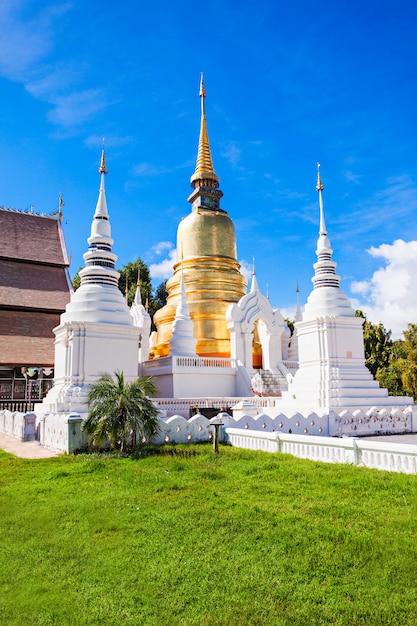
147	169
163	269
23	44
232	154
24	58
94	141
246	269
75	108
161	247
390	295
351	177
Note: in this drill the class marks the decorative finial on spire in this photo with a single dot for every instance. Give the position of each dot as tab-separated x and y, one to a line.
319	186
204	166
319	189
61	204
267	291
102	169
298	315
254	283
325	268
147	303
202	94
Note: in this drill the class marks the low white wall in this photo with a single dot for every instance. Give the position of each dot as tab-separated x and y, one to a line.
392	457
18	425
62	432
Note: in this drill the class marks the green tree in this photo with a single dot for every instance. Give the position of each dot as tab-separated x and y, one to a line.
377	345
290	325
129	276
119	412
409	360
158	300
76	281
391	377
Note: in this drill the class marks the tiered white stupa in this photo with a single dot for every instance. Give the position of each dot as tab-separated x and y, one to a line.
332	372
182	342
96	333
142	320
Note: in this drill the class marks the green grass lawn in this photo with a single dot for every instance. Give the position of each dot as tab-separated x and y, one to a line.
238	538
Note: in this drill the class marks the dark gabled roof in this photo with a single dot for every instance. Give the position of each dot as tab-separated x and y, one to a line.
33	286
31	237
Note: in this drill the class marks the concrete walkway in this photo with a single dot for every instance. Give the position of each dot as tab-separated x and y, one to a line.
408	438
24	449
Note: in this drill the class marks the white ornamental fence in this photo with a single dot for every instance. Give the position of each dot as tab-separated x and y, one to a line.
382	455
64	433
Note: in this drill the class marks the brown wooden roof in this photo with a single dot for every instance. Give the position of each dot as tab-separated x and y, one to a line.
34	286
30	237
27	338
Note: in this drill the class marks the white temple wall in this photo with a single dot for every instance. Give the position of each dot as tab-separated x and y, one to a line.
186	376
329	338
84	351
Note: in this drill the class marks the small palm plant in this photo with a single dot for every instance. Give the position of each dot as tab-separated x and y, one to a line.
118	411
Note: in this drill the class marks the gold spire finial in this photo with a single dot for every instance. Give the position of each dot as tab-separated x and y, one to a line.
138	281
319	186
204	166
202	93
102	169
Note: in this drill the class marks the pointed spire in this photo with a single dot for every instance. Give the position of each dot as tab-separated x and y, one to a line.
325	268
99	259
254	284
138	295
204	166
61	204
103	169
319	189
298	315
182	342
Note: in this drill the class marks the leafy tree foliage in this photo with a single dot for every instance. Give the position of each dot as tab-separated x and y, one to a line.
392	363
129	278
76	281
118	411
391	377
377	344
290	325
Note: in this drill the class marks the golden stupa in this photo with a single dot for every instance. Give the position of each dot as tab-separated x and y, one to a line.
206	247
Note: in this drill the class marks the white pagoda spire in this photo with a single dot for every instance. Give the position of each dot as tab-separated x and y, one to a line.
99	260
183	342
298	315
254	283
327	298
325	268
142	320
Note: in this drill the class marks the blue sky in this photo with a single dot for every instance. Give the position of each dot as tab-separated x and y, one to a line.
288	84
